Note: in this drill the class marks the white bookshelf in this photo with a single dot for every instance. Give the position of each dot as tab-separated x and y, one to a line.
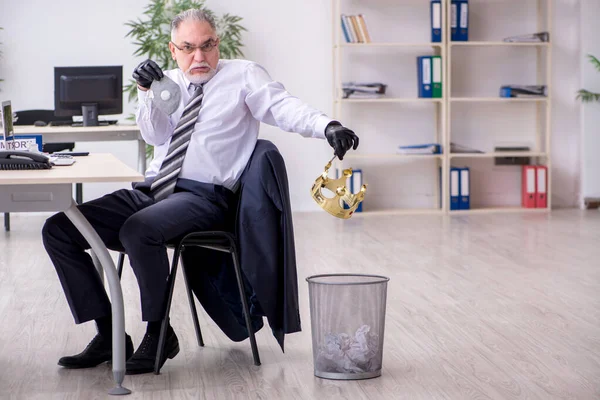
540	153
438	110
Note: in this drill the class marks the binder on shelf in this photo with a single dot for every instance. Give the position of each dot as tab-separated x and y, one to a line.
436	76
465	189
346	29
454	188
424	76
436	20
454	20
363	26
541	186
459	20
355	27
528	191
355	185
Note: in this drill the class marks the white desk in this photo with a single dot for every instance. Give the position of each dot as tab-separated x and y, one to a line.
51	190
58	134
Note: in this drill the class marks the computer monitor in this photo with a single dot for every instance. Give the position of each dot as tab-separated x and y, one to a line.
88	91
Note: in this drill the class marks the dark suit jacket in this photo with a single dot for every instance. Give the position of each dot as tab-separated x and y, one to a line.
263	227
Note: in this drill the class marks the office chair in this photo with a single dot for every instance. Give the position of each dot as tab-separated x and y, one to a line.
263	186
29	117
215	240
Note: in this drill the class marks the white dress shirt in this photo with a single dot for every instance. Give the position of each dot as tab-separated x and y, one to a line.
237	98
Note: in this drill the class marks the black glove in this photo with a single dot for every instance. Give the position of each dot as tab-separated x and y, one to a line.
340	138
147	72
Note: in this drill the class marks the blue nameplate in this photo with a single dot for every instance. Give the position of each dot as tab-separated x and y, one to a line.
21	142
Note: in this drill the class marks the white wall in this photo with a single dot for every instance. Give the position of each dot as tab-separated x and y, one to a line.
590	113
293	41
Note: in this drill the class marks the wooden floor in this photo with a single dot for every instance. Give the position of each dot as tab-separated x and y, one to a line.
502	306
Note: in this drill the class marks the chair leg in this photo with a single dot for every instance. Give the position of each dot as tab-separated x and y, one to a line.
163	328
238	275
120	264
79	193
192	306
7	222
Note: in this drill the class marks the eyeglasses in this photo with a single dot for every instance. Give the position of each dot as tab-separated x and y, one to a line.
205	48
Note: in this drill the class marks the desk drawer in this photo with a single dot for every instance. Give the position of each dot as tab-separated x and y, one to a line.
32	198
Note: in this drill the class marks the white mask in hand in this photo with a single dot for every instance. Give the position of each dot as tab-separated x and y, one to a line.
166	95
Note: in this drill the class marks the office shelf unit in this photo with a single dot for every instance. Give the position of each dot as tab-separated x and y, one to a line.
442	112
434	108
540	153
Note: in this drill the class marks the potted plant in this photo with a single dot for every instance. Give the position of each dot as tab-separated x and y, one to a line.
585	95
152	35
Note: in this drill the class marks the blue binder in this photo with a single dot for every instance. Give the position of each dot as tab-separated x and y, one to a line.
455	188
465	189
424	76
436	20
345	30
353	184
356	184
454	20
463	21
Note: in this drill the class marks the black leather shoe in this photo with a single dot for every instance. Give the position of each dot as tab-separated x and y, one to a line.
144	357
98	351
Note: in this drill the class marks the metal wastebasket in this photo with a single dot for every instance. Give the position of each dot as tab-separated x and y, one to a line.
347	313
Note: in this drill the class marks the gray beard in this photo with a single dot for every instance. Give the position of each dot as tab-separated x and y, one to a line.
200	79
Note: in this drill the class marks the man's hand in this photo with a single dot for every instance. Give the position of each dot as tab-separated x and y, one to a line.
340	138
147	72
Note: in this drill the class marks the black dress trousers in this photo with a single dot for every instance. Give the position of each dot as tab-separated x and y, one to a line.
131	220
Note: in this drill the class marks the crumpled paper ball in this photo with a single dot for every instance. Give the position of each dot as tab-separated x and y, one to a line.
343	353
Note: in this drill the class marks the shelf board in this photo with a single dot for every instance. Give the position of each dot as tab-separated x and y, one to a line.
393	44
498	99
392	100
498	154
400	211
498	43
387	155
485	210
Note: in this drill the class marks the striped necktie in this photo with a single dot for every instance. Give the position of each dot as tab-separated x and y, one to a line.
165	180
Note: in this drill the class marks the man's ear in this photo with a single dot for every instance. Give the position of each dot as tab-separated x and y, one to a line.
172	49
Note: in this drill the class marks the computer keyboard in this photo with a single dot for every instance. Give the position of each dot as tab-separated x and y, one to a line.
62	159
71	123
60	123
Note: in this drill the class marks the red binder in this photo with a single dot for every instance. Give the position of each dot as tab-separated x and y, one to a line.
528	191
541	189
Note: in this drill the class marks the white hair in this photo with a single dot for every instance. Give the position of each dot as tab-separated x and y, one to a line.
192	14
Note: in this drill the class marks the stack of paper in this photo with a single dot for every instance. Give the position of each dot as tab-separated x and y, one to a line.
539	37
363	90
523	91
429	148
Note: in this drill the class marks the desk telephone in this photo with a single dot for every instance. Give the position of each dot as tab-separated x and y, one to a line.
23	160
15	160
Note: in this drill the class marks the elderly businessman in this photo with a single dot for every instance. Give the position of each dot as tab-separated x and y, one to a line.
200	151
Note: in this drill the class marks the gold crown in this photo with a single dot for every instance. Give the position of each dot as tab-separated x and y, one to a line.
342	194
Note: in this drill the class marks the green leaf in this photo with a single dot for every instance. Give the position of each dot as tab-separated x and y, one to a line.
594	62
588	97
